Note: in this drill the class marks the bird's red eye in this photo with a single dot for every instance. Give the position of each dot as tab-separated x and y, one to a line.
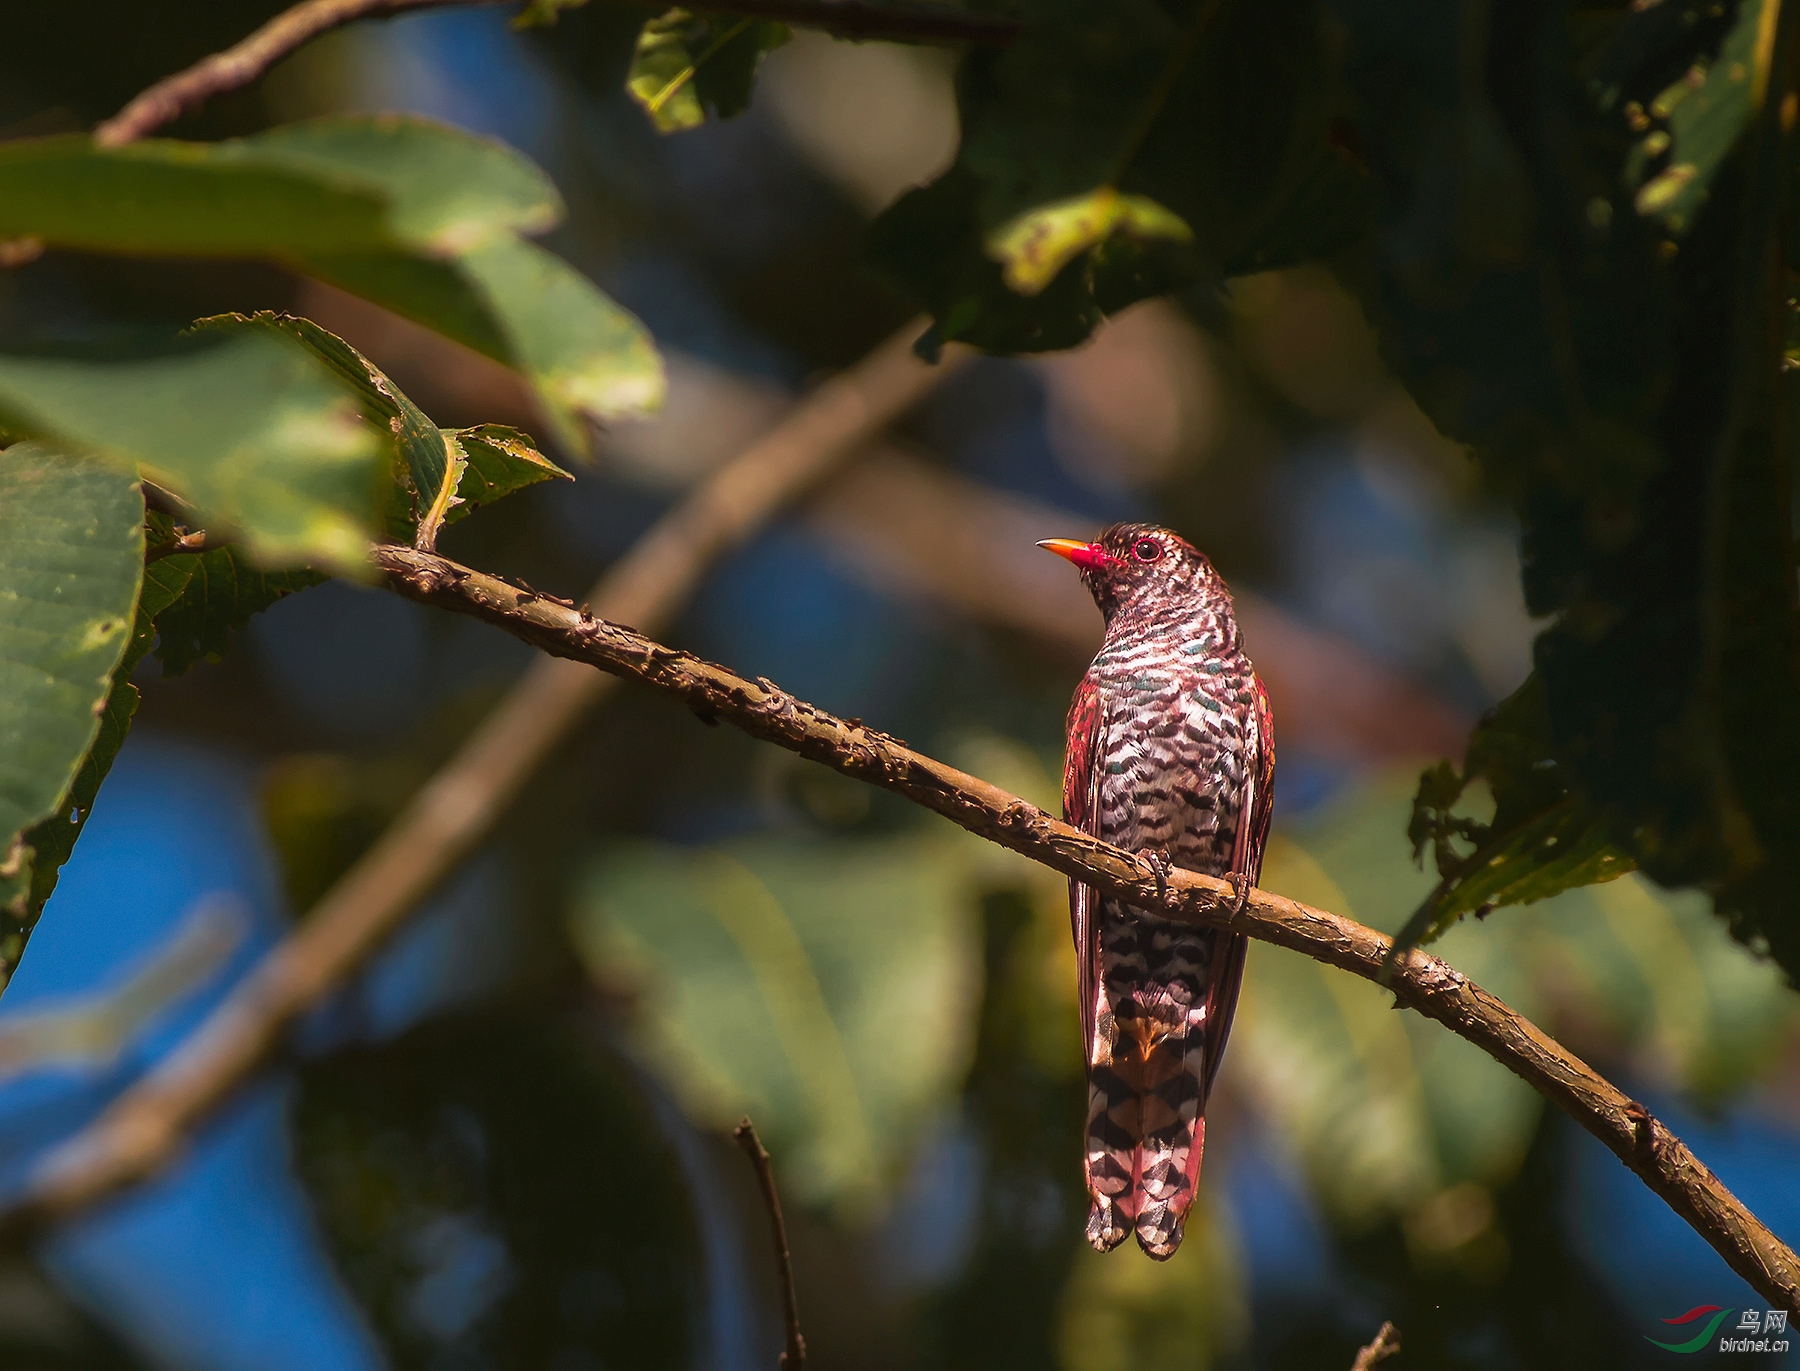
1146	549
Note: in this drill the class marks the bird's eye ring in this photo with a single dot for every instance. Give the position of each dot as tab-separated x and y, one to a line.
1146	549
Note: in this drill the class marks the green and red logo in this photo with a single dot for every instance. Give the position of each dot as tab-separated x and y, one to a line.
1701	1339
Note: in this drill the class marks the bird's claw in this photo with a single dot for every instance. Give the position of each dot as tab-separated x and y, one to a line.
1161	865
1241	886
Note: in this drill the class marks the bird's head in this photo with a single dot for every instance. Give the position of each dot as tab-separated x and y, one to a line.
1141	568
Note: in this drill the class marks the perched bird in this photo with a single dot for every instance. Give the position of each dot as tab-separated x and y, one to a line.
1171	753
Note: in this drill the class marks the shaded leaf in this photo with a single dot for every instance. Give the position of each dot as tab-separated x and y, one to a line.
1620	388
1690	126
690	63
823	988
71	558
251	430
1222	117
1544	837
539	14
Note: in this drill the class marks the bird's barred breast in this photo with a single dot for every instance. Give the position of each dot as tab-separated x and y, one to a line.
1173	760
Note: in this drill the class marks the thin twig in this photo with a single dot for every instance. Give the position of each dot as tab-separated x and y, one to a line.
242	63
1386	1344
1419	981
794	1359
143	1129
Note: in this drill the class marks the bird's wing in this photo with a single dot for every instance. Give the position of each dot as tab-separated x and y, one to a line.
1246	864
1081	808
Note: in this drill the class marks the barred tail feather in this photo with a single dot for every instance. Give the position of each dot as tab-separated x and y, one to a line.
1147	1082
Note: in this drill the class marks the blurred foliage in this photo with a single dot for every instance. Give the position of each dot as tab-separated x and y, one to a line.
500	1193
1216	113
758	995
1392	1115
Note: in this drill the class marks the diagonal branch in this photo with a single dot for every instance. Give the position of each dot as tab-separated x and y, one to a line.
1419	981
242	63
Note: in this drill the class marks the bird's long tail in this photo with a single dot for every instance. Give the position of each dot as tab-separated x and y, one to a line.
1165	995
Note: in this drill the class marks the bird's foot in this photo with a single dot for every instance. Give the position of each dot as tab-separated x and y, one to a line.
1241	886
1161	865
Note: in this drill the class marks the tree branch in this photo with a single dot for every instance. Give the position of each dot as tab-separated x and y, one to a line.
1419	981
141	1132
1385	1344
242	63
744	1135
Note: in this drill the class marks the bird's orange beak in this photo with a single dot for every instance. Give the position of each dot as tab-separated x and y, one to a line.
1087	556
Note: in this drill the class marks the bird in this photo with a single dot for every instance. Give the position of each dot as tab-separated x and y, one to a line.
1171	753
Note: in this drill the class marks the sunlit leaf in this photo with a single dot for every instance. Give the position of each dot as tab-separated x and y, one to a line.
588	358
71	557
344	183
416	216
688	63
252	430
497	461
1038	244
428	466
824	988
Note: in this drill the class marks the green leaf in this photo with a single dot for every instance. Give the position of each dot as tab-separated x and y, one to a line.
1545	836
497	460
843	1037
1393	1115
342	183
689	63
1038	244
415	216
447	473
588	358
188	605
251	430
429	467
71	558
